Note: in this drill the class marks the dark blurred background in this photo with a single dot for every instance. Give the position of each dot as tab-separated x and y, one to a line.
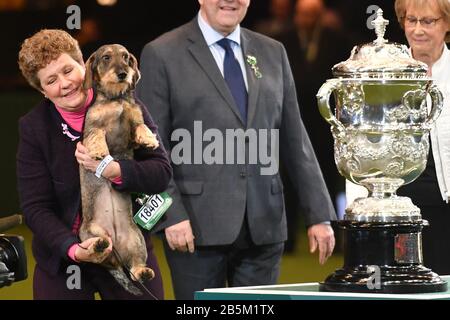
133	23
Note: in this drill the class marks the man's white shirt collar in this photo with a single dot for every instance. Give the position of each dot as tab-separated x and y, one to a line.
212	36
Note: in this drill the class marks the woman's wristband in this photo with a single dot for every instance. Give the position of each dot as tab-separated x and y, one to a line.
102	165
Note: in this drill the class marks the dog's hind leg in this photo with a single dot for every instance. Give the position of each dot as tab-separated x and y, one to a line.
101	244
142	273
93	230
97	250
137	262
129	241
94	193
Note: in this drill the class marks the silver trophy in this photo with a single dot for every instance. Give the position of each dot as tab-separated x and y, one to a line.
385	106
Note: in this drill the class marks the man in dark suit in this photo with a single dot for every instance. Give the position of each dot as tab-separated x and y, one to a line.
227	223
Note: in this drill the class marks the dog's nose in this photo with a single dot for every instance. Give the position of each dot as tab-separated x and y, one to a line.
122	76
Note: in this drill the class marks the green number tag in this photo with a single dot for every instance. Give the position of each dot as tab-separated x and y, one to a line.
152	210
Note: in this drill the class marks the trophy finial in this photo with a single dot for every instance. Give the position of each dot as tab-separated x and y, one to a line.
380	27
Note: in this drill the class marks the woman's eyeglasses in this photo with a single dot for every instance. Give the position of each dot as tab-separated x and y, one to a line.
426	23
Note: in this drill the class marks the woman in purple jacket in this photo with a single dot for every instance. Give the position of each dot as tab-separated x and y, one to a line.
48	160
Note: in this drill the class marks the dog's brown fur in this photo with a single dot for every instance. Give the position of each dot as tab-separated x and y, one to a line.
113	125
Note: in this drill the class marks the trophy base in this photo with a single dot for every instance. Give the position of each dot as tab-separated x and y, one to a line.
371	209
383	258
413	279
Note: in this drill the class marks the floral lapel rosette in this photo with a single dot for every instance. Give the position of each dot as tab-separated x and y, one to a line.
251	60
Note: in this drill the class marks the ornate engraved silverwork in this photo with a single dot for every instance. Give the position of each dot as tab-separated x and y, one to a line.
381	124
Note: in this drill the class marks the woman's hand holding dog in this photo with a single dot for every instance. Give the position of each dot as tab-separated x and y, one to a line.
111	171
93	250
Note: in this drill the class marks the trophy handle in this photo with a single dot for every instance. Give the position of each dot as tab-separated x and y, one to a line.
323	101
436	105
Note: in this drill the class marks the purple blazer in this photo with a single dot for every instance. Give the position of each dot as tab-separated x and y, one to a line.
49	181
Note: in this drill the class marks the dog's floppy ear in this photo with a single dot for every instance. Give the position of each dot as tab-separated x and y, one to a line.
91	65
134	65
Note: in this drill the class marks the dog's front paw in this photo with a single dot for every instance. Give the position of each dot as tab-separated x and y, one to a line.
145	137
98	155
96	144
142	273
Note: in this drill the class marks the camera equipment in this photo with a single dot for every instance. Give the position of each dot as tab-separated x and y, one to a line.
13	260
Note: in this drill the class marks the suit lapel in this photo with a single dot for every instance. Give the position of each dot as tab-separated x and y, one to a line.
253	82
204	58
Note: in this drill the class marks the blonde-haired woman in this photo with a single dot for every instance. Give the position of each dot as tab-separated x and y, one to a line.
427	29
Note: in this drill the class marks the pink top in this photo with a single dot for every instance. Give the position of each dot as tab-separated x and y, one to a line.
76	120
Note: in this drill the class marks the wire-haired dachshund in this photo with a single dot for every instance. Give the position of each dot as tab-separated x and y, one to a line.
114	126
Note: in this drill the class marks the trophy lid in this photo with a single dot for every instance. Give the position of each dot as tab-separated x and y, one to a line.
381	59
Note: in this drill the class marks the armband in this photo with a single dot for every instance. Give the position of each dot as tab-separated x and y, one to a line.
101	167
